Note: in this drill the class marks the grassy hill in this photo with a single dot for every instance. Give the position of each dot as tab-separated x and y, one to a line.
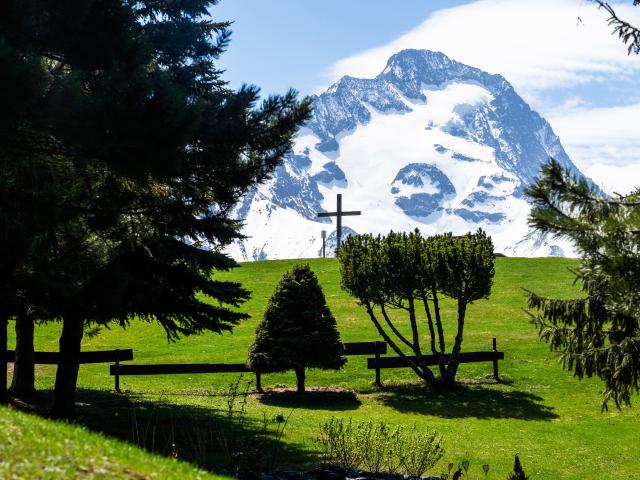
551	419
35	448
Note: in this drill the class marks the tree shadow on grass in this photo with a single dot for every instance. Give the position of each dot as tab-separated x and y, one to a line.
319	399
466	401
211	438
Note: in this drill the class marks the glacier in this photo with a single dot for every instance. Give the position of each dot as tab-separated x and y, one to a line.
430	143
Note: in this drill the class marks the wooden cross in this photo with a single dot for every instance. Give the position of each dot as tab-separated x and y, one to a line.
339	214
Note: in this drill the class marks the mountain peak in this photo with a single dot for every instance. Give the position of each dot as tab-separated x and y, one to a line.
417	59
430	143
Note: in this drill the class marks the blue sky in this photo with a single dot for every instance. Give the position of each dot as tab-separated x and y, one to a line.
290	43
558	54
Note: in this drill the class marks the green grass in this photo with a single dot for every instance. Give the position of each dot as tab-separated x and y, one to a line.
35	448
550	418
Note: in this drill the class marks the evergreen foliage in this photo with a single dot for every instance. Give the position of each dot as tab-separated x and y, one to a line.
298	330
125	154
598	334
409	273
626	32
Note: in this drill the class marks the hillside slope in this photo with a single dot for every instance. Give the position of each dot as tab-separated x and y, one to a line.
538	412
35	448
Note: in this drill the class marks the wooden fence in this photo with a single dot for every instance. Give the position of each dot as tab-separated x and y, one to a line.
97	356
117	370
368	348
353	348
430	360
179	368
101	356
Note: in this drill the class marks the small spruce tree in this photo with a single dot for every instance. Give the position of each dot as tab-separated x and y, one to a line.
298	330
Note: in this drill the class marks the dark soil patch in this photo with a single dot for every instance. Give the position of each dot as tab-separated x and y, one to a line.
322	398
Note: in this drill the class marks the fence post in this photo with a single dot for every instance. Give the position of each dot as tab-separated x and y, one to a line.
495	359
378	382
258	382
117	376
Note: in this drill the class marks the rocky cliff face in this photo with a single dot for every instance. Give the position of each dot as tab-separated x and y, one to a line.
430	143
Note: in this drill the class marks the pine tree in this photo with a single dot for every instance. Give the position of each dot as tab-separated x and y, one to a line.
143	153
298	330
598	333
26	191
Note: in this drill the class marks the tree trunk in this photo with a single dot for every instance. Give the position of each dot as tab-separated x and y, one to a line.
432	333
4	323
454	358
300	379
64	403
423	372
414	330
23	383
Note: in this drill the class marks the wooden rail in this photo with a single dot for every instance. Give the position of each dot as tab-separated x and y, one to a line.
365	348
98	356
179	369
368	348
430	360
103	356
354	348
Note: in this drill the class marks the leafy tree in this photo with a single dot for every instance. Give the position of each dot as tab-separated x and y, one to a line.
408	273
598	333
148	153
298	330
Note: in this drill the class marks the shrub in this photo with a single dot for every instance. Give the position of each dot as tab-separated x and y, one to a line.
379	447
339	444
409	273
423	450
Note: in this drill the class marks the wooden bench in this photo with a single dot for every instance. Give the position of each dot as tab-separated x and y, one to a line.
431	360
355	348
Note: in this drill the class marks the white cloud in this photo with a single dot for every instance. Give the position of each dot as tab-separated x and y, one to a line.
604	143
616	178
535	45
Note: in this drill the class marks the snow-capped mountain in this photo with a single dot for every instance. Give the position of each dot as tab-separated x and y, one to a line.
429	143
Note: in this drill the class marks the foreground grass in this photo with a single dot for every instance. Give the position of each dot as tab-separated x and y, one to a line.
551	419
36	448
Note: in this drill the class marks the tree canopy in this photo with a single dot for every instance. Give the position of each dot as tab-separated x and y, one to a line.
126	154
408	273
599	332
